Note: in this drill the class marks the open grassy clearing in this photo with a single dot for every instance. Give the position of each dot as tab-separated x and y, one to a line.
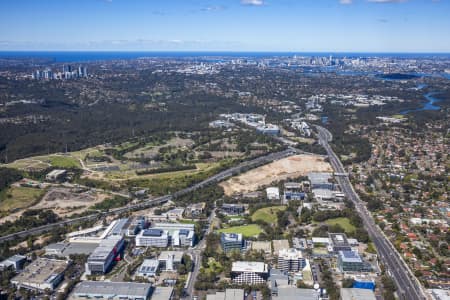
64	162
268	214
131	174
46	161
19	197
152	149
246	230
343	222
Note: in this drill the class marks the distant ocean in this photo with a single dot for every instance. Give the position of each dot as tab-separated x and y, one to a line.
86	56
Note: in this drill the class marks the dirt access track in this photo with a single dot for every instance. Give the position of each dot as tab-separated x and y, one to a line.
290	167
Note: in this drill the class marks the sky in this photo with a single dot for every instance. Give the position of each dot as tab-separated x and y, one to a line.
226	25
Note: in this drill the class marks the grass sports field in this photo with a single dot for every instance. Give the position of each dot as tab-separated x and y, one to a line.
267	214
245	230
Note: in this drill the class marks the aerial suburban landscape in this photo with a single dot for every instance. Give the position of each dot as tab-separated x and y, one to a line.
199	173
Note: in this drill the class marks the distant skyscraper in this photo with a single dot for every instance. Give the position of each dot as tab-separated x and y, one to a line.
67	68
48	74
37	75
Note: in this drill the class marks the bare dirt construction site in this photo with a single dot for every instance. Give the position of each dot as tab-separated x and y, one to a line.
63	201
290	167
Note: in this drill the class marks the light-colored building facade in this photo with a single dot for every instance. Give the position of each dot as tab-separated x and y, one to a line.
153	238
231	242
170	260
291	260
102	258
41	274
249	272
148	268
111	290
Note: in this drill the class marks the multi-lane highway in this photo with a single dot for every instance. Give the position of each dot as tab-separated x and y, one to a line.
156	201
408	287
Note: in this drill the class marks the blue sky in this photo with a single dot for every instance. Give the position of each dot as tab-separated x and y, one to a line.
226	25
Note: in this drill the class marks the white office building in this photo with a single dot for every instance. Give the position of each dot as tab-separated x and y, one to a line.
148	268
153	238
273	193
249	272
179	234
170	260
291	260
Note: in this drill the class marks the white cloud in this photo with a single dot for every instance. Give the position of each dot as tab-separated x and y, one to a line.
214	8
387	1
252	2
346	1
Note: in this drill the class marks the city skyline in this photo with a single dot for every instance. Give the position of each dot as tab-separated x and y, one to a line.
226	25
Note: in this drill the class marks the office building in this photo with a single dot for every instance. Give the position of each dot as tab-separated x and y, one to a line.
439	294
153	238
41	274
174	226
293	191
183	238
273	193
268	129
170	260
67	72
195	210
16	262
47	74
162	293
231	242
291	260
351	261
229	294
293	293
278	279
338	242
119	227
101	259
174	214
148	268
67	68
82	71
233	209
134	225
320	181
36	75
249	272
179	234
64	249
356	294
111	290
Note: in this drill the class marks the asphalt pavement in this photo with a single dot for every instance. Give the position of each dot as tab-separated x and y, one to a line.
408	287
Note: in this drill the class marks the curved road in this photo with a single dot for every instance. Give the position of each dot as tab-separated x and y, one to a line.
408	287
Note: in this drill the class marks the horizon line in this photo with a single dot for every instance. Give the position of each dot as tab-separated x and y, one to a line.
227	51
